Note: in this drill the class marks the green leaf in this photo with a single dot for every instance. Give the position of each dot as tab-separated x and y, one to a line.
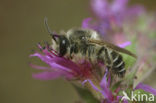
129	60
86	95
129	78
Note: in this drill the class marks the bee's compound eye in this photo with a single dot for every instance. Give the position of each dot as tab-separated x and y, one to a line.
63	45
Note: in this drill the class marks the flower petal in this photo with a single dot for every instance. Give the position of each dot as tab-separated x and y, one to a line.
135	11
47	75
119	5
91	83
123	45
58	63
44	58
69	65
146	88
100	7
39	67
105	87
85	23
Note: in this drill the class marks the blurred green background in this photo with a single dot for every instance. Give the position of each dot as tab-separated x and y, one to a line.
21	28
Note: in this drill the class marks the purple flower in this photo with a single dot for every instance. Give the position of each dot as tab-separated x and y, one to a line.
110	96
100	7
116	10
59	66
105	89
118	38
112	16
146	88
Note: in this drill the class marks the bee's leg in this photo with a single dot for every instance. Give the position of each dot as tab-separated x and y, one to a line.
70	54
91	53
73	50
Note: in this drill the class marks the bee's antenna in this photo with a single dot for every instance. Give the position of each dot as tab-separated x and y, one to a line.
47	27
52	34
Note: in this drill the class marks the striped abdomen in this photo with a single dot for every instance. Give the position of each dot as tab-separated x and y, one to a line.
113	60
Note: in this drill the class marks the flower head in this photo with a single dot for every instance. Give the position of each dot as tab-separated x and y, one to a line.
59	66
111	17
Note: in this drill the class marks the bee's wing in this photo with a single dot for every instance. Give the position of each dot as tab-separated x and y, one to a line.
112	46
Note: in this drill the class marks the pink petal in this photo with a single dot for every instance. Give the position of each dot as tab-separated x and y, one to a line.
105	87
100	7
39	67
57	62
119	5
135	10
123	45
91	83
47	75
85	23
44	58
146	88
67	64
60	67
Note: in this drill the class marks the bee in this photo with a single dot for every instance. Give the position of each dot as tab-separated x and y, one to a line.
87	42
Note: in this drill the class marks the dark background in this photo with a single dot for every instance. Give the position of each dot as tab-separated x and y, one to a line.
21	27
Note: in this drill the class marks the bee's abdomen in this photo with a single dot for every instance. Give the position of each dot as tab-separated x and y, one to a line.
112	60
118	64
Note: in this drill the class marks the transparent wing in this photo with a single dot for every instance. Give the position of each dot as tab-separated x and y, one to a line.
112	46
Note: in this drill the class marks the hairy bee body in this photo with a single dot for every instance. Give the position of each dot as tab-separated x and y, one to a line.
113	60
74	43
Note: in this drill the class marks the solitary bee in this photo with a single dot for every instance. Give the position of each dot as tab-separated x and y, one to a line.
88	43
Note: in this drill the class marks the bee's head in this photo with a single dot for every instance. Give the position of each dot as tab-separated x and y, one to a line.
81	35
60	44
